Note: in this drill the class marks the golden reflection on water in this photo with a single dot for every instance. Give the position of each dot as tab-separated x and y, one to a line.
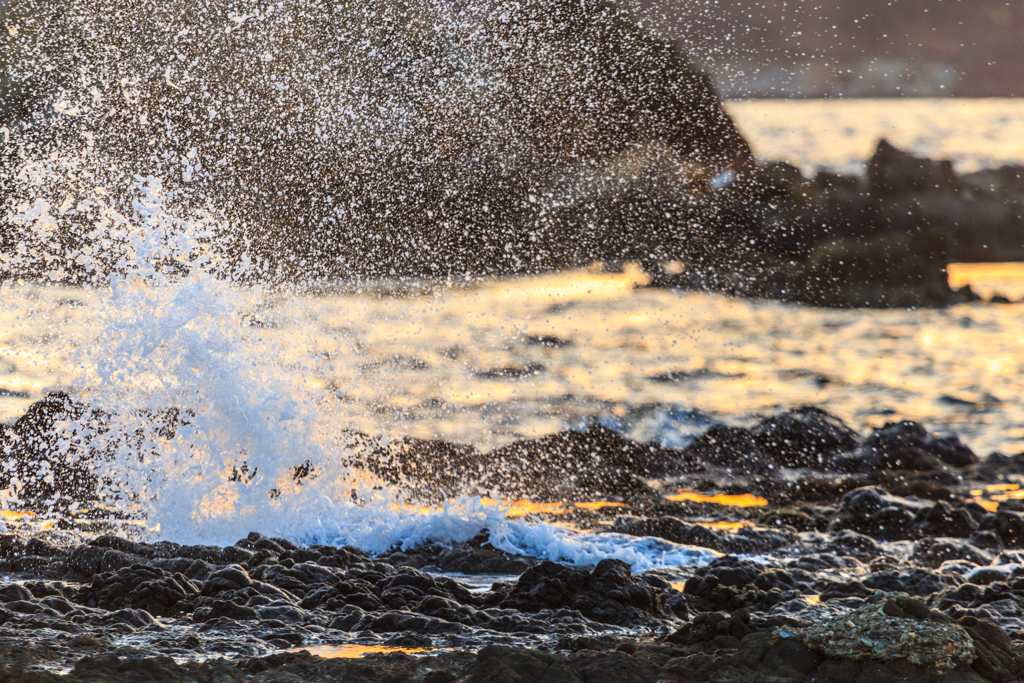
743	500
598	505
353	651
988	279
506	359
992	495
842	134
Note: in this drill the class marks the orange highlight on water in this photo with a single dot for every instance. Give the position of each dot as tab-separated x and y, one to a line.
743	500
354	651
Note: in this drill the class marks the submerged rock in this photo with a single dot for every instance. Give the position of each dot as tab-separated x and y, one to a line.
892	627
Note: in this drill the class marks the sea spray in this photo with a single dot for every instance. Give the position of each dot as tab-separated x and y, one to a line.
180	162
197	429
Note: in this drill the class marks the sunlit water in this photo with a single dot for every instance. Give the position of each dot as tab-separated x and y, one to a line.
491	362
842	134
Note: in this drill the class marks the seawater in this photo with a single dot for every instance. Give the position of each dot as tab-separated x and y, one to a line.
272	377
841	135
494	361
278	379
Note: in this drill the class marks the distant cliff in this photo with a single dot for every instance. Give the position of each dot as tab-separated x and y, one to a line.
857	48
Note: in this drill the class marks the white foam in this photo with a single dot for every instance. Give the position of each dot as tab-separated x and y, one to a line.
176	338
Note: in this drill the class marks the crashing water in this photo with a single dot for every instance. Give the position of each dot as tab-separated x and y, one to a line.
181	343
174	145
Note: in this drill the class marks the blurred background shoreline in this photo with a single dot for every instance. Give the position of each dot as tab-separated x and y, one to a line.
850	48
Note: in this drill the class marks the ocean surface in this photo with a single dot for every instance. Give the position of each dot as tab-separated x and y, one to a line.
840	135
493	361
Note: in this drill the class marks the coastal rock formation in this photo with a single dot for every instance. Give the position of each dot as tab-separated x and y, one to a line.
406	139
883	241
825	555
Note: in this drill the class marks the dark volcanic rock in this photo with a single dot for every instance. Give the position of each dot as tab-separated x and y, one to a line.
730	447
147	588
805	437
727	630
564	466
87	560
892	172
475	556
608	594
746	540
598	460
731	584
874	512
518	170
897	436
671	529
932	552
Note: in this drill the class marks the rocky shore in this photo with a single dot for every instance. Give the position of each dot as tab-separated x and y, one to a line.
829	556
880	241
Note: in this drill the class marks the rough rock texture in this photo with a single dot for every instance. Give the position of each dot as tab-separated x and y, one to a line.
516	129
894	628
834	519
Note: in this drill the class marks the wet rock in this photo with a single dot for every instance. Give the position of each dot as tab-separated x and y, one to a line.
476	556
224	609
40	548
894	437
671	529
800	519
287	613
11	546
87	561
143	587
892	171
723	629
296	579
733	447
134	619
230	578
348	592
570	465
805	437
932	552
1008	525
503	664
943	519
596	461
872	511
730	583
12	591
915	581
125	546
851	544
607	594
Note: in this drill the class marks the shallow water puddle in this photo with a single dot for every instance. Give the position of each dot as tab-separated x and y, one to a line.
743	500
725	526
353	650
598	504
991	496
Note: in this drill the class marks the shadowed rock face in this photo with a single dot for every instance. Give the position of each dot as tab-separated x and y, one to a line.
403	138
